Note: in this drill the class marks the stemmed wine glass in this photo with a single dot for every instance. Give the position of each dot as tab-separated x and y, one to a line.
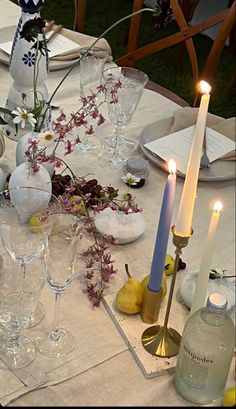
24	244
61	244
91	69
18	238
16	311
124	88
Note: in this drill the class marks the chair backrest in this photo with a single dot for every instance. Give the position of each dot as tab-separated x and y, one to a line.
183	11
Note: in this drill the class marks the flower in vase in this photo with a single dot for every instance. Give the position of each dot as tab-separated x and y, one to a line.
130	179
47	139
22	116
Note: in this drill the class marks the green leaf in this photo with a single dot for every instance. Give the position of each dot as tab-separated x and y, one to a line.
38	110
7	111
2	121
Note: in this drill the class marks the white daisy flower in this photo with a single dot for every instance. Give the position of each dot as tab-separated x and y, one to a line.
22	116
130	179
46	139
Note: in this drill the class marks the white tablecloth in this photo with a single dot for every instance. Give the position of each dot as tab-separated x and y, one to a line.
104	372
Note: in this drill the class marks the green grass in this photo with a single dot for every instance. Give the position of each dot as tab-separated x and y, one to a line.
161	66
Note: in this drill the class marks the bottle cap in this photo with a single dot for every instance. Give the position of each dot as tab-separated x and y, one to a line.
217	303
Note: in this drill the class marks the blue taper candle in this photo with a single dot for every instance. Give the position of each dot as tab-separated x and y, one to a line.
159	253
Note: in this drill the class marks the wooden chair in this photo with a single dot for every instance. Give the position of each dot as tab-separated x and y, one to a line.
80	15
184	35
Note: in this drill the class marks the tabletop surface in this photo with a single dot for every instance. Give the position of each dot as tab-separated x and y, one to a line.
102	371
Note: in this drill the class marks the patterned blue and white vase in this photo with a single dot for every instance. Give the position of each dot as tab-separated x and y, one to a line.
22	65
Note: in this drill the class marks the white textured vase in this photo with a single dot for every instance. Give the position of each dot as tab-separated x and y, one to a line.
28	201
21	147
22	63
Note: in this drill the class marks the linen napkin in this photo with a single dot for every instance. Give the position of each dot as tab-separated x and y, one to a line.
82	40
185	117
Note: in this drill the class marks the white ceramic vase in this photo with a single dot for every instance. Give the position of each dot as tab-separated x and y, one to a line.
22	146
22	64
28	201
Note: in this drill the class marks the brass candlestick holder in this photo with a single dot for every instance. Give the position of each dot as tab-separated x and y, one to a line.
151	305
160	340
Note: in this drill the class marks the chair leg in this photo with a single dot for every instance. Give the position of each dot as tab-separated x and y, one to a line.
134	26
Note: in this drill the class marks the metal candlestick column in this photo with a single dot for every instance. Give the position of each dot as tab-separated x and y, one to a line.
160	340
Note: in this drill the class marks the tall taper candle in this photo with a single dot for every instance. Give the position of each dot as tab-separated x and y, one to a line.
185	214
159	254
200	293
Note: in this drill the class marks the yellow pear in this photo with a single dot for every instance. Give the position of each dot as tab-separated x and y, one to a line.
129	297
229	398
163	284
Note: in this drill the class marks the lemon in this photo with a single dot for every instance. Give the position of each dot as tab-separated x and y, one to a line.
35	223
169	264
78	204
229	398
163	284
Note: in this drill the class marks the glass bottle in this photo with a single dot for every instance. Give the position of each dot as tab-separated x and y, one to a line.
205	352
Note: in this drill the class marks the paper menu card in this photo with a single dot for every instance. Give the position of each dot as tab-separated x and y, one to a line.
177	145
57	45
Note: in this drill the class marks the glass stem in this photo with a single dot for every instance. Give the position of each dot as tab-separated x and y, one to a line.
55	334
23	272
116	147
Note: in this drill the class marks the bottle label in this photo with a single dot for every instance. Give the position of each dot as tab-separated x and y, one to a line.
195	367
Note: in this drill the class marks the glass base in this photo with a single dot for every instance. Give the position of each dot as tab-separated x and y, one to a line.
55	346
89	147
114	162
18	354
37	316
127	144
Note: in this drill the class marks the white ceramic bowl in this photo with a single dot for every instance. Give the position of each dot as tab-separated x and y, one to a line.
125	228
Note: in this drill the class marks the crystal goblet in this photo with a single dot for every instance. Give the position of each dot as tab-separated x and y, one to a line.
91	69
124	88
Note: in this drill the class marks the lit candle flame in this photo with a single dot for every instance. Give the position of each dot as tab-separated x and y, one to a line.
172	166
217	206
204	87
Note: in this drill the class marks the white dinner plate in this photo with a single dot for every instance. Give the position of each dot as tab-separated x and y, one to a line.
7	34
220	169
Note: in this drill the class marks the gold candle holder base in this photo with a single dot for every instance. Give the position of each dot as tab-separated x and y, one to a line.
151	305
161	341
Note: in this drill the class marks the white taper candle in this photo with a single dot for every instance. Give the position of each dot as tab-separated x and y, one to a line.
200	293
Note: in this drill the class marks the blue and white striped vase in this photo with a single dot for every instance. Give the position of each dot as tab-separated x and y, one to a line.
22	63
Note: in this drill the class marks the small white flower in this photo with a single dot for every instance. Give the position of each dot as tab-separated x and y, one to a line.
130	179
23	116
46	139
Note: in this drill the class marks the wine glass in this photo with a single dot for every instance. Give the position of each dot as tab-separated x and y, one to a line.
24	241
16	310
61	243
124	87
91	69
24	244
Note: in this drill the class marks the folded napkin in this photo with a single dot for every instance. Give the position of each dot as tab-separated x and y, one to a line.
82	40
185	117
